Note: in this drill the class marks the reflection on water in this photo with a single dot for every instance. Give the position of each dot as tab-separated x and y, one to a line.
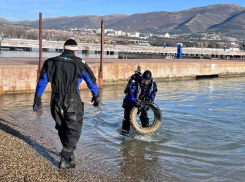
201	138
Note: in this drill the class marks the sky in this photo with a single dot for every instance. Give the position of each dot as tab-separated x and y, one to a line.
16	10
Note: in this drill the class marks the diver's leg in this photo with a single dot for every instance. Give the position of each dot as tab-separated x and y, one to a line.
57	115
73	120
126	122
144	118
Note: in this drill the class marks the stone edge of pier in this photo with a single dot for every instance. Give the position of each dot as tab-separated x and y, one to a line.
22	77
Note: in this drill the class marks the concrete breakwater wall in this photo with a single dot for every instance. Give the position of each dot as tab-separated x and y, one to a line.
128	55
22	78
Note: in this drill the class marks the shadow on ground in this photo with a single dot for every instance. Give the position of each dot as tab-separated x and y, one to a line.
43	151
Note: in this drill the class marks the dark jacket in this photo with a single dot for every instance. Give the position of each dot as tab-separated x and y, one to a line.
65	73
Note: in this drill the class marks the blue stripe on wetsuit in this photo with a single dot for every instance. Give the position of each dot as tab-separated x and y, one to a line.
153	93
131	97
41	85
92	86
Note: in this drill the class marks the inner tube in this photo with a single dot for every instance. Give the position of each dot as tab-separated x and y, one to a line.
153	127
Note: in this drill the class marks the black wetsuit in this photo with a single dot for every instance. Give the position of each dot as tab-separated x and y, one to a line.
65	72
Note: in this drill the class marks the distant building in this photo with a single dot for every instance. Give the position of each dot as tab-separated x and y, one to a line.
167	35
134	34
108	30
233	44
139	42
98	31
119	33
110	33
124	34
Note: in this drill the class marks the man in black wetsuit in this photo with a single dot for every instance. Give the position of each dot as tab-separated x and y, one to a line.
65	73
139	88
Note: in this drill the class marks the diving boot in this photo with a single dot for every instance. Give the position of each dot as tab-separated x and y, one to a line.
125	132
65	164
125	127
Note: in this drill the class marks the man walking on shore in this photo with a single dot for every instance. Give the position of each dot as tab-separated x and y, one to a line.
65	73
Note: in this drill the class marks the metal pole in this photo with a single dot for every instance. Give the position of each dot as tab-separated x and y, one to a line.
0	46
100	76
40	46
139	68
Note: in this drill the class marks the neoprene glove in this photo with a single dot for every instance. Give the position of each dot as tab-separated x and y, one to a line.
138	104
37	105
95	100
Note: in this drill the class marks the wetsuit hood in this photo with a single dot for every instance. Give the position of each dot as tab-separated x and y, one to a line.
147	75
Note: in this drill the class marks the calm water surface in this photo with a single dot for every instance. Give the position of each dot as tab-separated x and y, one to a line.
201	138
35	54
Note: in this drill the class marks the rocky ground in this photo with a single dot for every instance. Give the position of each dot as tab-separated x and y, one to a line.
29	155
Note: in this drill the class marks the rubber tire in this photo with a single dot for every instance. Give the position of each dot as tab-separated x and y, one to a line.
152	128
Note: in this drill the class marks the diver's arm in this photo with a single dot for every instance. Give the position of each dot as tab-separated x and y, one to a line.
41	85
43	80
131	95
153	92
89	78
90	83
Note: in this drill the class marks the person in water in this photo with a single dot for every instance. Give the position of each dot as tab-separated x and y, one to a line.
65	73
139	88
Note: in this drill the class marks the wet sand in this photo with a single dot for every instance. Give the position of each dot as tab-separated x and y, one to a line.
29	155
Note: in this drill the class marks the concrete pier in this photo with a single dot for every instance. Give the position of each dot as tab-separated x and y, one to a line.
187	51
125	55
19	74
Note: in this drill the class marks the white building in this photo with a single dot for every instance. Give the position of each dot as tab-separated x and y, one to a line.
166	35
139	42
98	31
134	34
110	33
108	30
119	33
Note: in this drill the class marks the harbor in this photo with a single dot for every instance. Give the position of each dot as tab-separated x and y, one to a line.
201	136
181	120
110	49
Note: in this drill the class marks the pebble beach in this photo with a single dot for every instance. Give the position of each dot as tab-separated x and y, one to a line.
27	155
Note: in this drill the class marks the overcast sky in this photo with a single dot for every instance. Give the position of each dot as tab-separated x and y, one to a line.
16	10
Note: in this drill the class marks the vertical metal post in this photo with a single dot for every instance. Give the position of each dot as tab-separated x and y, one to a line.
0	46
40	46
100	76
139	68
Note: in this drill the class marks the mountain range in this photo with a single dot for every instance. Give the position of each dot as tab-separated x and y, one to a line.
228	19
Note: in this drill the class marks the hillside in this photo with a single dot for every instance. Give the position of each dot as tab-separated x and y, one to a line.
225	18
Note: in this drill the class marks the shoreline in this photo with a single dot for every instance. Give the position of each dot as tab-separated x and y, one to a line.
30	155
